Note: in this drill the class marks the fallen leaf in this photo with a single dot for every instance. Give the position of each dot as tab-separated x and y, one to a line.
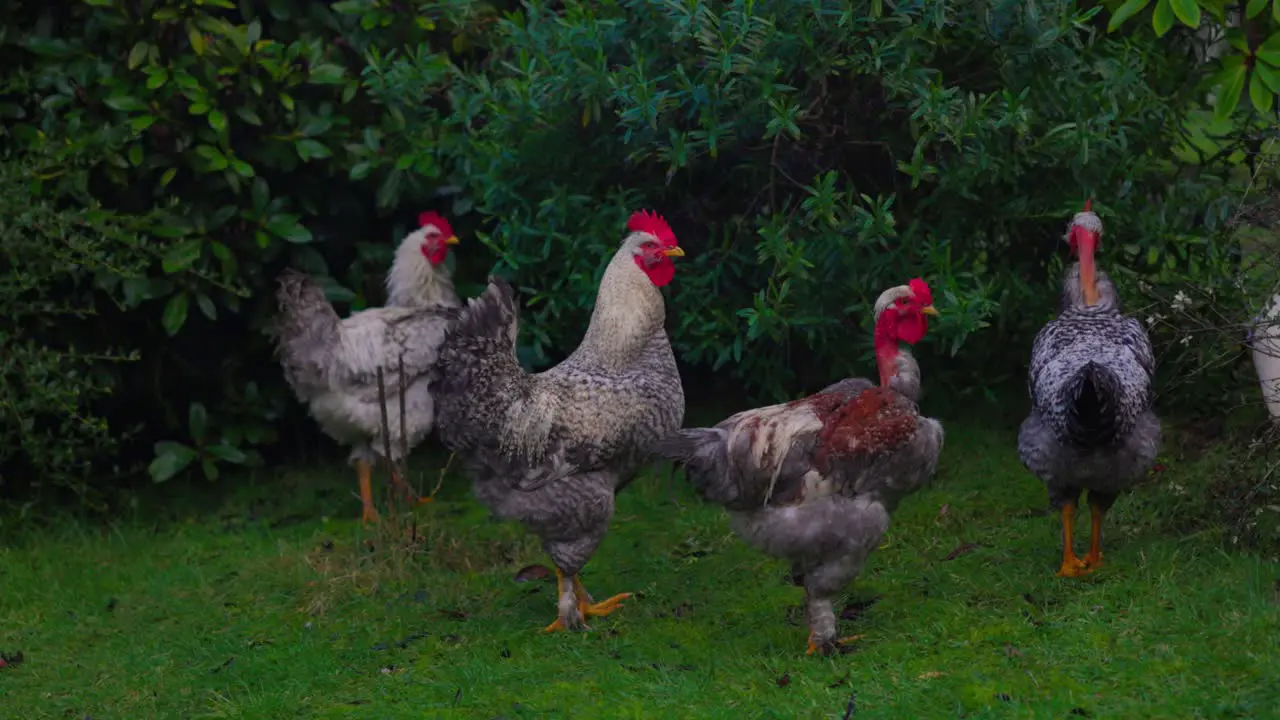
785	680
942	511
961	549
529	573
930	675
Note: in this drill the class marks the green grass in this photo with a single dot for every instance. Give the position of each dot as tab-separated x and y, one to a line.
264	609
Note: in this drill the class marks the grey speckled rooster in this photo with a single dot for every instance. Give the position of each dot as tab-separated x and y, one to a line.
332	363
815	480
1091	426
551	449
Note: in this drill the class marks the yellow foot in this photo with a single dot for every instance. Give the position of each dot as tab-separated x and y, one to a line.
813	648
1093	560
1073	567
369	515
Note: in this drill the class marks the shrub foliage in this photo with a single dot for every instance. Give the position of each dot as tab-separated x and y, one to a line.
809	154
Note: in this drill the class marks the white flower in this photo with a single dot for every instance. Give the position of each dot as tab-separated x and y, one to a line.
1186	340
1181	301
1151	320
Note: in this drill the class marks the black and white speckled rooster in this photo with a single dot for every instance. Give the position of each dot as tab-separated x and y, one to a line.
1091	425
816	480
551	449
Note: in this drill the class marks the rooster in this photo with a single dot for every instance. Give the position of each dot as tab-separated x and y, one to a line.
332	363
815	480
1091	425
551	449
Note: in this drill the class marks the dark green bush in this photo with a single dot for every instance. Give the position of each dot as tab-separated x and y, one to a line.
810	154
236	139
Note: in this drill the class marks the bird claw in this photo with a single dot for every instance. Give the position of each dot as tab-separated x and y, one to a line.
831	646
1074	567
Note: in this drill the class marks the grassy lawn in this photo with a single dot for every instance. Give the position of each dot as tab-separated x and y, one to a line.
272	604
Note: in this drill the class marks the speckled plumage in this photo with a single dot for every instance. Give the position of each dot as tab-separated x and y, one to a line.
550	449
816	480
332	363
1091	426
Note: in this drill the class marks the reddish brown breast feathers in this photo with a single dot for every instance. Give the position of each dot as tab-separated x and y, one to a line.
873	422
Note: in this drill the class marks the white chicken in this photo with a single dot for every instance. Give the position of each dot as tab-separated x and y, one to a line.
332	363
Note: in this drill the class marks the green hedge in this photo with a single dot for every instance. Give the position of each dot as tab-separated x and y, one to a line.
808	153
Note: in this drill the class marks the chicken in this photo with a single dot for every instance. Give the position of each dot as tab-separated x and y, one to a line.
551	449
1091	426
332	363
815	481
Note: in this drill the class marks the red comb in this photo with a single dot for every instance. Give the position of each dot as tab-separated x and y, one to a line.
1088	204
431	217
652	223
920	289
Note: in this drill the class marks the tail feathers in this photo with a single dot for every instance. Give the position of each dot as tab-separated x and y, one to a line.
1095	406
481	344
704	454
307	333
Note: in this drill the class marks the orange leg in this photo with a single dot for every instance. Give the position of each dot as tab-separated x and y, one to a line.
1072	566
409	494
1094	558
365	474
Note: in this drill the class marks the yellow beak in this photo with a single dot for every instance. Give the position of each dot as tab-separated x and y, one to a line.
673	252
929	310
452	240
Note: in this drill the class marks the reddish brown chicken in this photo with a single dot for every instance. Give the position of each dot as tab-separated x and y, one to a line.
815	481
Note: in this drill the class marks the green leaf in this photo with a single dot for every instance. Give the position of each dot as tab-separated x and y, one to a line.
168	176
288	228
309	149
1229	94
181	256
227	453
197	421
124	103
1254	7
327	74
135	155
360	171
158	78
261	195
214	156
197	40
1124	12
171	459
1260	95
1162	19
242	168
389	190
1270	76
247	114
287	101
210	470
175	313
142	122
217	121
205	303
1187	11
1269	51
138	54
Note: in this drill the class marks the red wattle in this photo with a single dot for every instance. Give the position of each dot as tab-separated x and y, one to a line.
661	272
